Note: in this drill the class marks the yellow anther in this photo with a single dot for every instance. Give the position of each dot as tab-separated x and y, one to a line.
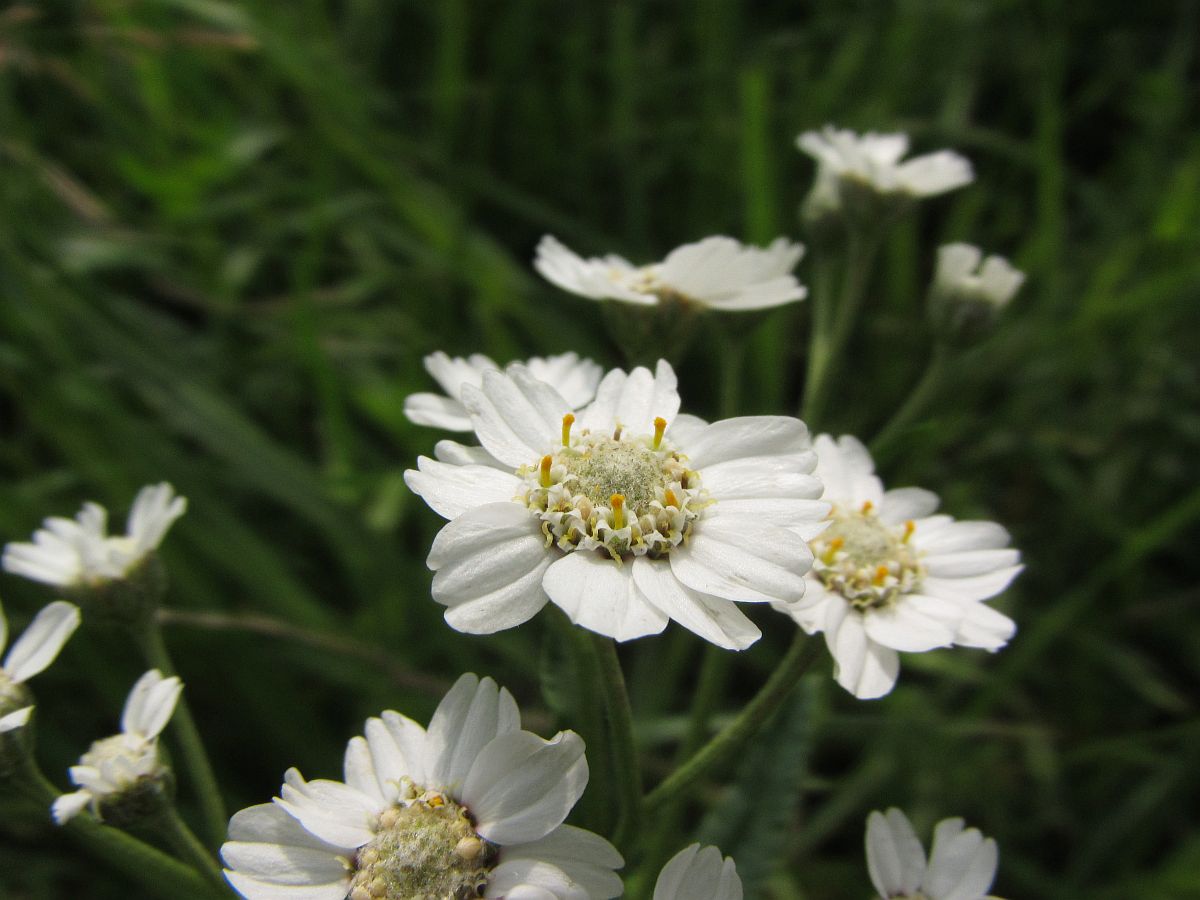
617	432
867	507
618	508
660	425
437	801
568	421
669	498
831	551
909	527
881	574
544	477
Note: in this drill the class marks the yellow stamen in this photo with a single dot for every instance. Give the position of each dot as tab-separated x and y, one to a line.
660	425
670	499
867	507
568	421
544	477
618	508
909	527
881	575
436	801
831	551
617	432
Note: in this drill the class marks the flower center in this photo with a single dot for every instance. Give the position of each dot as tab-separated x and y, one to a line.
868	562
124	759
13	695
424	847
625	495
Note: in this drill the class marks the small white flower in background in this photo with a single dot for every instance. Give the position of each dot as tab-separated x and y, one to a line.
575	377
961	866
969	291
79	552
716	273
872	162
698	874
473	806
31	653
889	575
624	516
125	768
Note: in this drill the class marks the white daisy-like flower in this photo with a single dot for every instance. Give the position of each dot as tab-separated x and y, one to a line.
964	274
624	516
126	768
574	376
873	161
698	874
473	807
79	552
717	273
889	575
961	866
30	654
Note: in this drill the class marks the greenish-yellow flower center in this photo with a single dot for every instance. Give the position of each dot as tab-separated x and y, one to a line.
867	561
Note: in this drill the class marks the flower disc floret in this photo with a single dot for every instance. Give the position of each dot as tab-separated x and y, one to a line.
870	563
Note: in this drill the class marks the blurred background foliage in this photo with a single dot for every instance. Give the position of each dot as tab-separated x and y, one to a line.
230	231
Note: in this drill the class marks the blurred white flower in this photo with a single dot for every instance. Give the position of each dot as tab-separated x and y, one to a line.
572	376
717	273
698	874
121	767
625	516
472	807
889	575
31	653
960	275
961	866
79	552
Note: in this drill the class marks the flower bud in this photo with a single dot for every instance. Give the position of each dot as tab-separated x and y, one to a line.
966	296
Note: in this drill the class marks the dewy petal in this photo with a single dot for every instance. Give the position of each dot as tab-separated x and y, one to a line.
472	714
864	668
451	490
895	857
489	564
633	400
515	416
713	618
731	557
436	411
962	864
601	596
16	719
150	704
332	811
528	879
41	642
521	787
698	874
267	848
586	858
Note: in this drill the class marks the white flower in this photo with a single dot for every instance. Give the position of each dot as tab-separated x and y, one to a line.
961	275
874	161
79	552
31	653
961	866
717	272
890	575
698	874
575	377
625	516
118	767
473	803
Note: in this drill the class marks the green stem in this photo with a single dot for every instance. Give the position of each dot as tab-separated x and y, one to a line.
204	782
627	773
737	733
187	845
732	358
916	403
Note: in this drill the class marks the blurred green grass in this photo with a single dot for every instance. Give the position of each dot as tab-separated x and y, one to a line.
229	233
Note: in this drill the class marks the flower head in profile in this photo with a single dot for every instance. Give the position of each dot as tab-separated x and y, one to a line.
854	170
471	807
575	377
969	291
122	777
30	654
716	273
79	552
889	575
961	865
624	515
696	873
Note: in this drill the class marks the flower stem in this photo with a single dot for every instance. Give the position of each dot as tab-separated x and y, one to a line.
918	400
187	845
628	775
148	635
735	735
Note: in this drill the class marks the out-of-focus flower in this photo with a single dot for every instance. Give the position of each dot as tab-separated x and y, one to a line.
574	377
889	575
698	874
472	807
30	654
961	866
625	516
717	273
969	291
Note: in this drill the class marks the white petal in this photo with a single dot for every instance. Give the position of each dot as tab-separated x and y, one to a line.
904	504
914	624
527	879
253	889
330	810
48	560
17	719
155	509
436	411
698	874
150	704
574	378
521	787
396	745
586	858
722	273
464	455
359	771
68	806
473	713
713	618
866	669
984	627
966	563
977	587
595	278
962	864
599	594
683	429
633	400
451	490
934	173
751	438
41	642
735	557
515	416
489	563
267	844
453	372
895	857
956	537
